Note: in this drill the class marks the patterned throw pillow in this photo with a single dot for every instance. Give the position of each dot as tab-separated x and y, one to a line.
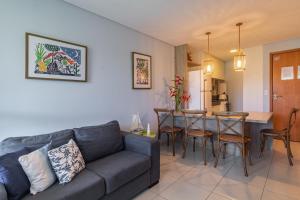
66	161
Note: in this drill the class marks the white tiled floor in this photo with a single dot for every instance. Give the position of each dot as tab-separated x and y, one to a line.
270	178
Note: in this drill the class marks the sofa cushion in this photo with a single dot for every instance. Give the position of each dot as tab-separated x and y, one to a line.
66	161
3	193
120	168
96	142
12	175
86	185
16	143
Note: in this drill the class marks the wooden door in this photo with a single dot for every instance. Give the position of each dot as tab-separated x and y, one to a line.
285	89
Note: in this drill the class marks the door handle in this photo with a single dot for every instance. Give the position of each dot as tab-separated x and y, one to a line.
276	96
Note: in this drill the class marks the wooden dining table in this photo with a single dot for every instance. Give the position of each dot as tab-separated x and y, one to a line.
255	121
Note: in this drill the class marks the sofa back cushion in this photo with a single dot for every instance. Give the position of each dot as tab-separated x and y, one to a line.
96	142
34	142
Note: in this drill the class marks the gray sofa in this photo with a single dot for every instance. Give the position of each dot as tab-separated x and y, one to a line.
122	171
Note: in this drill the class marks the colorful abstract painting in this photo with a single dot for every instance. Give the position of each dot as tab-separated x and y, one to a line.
49	58
141	71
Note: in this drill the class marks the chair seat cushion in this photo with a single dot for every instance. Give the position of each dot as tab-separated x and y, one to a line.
199	133
234	138
86	185
273	132
120	168
168	129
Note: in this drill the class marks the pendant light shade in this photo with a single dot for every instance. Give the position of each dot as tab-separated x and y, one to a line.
239	60
208	66
208	62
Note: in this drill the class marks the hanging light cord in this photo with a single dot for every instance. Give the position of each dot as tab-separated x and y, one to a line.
239	38
239	25
208	33
208	43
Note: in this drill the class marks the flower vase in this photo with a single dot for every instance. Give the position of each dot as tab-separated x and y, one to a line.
178	107
185	105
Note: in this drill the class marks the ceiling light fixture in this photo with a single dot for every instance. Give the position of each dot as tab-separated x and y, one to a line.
239	60
233	50
208	63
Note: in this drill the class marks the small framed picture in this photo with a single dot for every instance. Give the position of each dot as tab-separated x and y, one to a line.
52	59
141	71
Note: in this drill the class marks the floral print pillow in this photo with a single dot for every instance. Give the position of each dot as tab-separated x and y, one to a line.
66	161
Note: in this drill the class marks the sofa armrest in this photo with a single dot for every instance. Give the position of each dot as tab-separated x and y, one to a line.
146	146
3	194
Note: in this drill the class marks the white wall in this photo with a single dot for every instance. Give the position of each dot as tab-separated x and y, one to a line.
253	80
30	107
234	81
256	81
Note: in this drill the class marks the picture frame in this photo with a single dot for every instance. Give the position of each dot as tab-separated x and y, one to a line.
141	71
52	59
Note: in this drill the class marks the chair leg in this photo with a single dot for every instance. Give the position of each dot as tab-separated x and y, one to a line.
194	144
212	146
249	154
289	146
224	151
158	135
204	149
285	142
182	140
185	143
244	160
218	154
173	143
168	139
288	152
262	144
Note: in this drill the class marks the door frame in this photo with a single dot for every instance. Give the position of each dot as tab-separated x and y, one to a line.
271	73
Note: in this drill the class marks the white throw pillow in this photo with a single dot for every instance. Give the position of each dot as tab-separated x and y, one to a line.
37	167
66	161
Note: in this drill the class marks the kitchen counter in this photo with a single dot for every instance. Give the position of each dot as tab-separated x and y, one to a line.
255	121
254	117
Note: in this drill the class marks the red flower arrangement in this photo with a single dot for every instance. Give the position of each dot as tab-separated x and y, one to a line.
177	91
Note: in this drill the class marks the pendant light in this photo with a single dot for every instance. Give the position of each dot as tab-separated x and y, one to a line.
208	63
239	60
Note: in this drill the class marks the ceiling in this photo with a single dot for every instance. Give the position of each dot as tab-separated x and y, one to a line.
186	21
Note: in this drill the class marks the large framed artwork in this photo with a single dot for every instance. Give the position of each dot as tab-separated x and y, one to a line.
52	59
141	71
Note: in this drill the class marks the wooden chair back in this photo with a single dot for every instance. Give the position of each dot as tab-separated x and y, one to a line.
227	123
162	115
191	117
292	121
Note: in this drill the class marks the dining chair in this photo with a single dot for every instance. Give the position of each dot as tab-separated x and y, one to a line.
193	130
284	135
231	129
167	127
